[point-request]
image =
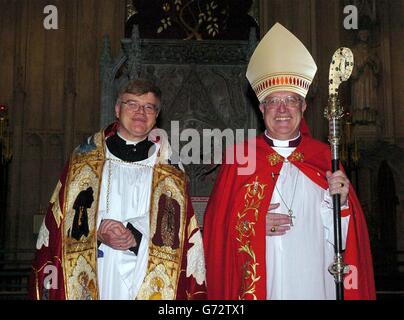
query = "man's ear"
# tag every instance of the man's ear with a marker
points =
(304, 105)
(261, 109)
(117, 110)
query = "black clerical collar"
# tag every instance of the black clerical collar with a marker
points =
(129, 152)
(283, 143)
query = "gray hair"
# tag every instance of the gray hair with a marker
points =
(139, 87)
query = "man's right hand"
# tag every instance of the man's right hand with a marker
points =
(276, 223)
(115, 235)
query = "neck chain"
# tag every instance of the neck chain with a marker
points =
(110, 173)
(290, 211)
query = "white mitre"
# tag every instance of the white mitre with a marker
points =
(280, 63)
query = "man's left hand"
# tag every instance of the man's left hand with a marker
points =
(338, 183)
(114, 234)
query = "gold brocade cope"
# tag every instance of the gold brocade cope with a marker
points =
(79, 236)
(247, 219)
(168, 208)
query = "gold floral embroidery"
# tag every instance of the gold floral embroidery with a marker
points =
(296, 156)
(274, 159)
(247, 218)
(157, 285)
(82, 282)
(164, 260)
(80, 256)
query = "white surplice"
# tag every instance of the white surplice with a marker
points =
(297, 262)
(121, 273)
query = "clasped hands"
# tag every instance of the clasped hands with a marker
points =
(277, 224)
(115, 235)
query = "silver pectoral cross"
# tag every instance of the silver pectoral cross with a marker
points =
(290, 213)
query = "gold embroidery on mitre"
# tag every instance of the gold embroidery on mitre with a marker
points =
(274, 159)
(245, 228)
(296, 156)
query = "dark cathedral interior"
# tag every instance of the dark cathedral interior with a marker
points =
(60, 80)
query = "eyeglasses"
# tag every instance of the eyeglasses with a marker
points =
(135, 106)
(275, 102)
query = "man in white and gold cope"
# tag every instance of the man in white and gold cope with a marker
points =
(120, 223)
(269, 235)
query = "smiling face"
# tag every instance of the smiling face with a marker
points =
(136, 125)
(282, 121)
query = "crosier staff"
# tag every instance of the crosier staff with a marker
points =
(340, 70)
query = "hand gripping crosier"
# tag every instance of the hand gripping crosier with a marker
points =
(340, 70)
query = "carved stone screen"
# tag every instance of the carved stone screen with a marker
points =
(203, 85)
